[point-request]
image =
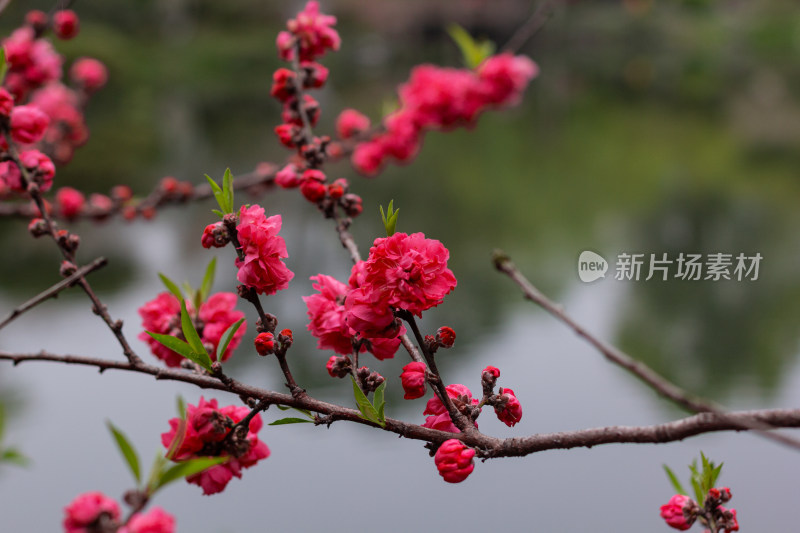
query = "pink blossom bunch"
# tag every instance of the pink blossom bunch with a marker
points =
(311, 31)
(439, 417)
(264, 250)
(454, 460)
(328, 320)
(94, 511)
(163, 315)
(437, 98)
(67, 128)
(206, 426)
(32, 62)
(402, 272)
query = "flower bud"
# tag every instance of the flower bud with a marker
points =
(37, 227)
(283, 84)
(36, 19)
(28, 124)
(265, 343)
(679, 512)
(67, 269)
(215, 235)
(350, 123)
(314, 74)
(352, 204)
(413, 380)
(339, 366)
(69, 202)
(370, 380)
(6, 102)
(508, 409)
(89, 73)
(446, 337)
(65, 24)
(454, 461)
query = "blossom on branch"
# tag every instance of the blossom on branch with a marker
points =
(677, 512)
(439, 418)
(88, 510)
(154, 521)
(508, 409)
(263, 250)
(311, 31)
(206, 434)
(413, 380)
(454, 460)
(163, 315)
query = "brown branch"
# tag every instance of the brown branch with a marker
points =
(488, 447)
(54, 291)
(535, 23)
(643, 372)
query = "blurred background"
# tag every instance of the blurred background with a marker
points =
(654, 127)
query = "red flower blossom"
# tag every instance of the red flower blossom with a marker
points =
(454, 460)
(413, 380)
(440, 418)
(262, 267)
(87, 509)
(509, 410)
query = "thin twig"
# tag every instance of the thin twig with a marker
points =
(535, 23)
(646, 374)
(54, 290)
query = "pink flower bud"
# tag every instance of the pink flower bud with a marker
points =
(40, 166)
(265, 343)
(65, 24)
(350, 123)
(287, 177)
(727, 520)
(283, 84)
(508, 410)
(6, 102)
(673, 512)
(89, 73)
(494, 371)
(87, 509)
(413, 380)
(454, 461)
(28, 124)
(446, 337)
(36, 19)
(215, 235)
(69, 202)
(338, 366)
(154, 521)
(313, 190)
(287, 134)
(315, 74)
(37, 227)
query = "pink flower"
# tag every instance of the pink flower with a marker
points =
(327, 313)
(205, 426)
(368, 158)
(32, 62)
(69, 202)
(217, 314)
(350, 123)
(313, 31)
(65, 24)
(40, 166)
(265, 343)
(454, 461)
(67, 129)
(440, 418)
(673, 514)
(315, 75)
(413, 380)
(403, 271)
(288, 177)
(89, 73)
(155, 521)
(504, 77)
(28, 124)
(263, 250)
(509, 410)
(87, 510)
(11, 176)
(6, 102)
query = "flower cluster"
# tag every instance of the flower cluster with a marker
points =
(328, 320)
(206, 433)
(44, 116)
(94, 511)
(681, 512)
(311, 32)
(263, 249)
(163, 315)
(437, 98)
(439, 418)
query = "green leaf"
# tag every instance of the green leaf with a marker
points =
(368, 412)
(219, 195)
(181, 404)
(283, 407)
(14, 456)
(219, 213)
(208, 280)
(227, 189)
(699, 494)
(227, 336)
(186, 469)
(291, 420)
(159, 463)
(715, 474)
(193, 338)
(128, 451)
(674, 480)
(389, 218)
(379, 402)
(177, 345)
(3, 65)
(171, 286)
(473, 52)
